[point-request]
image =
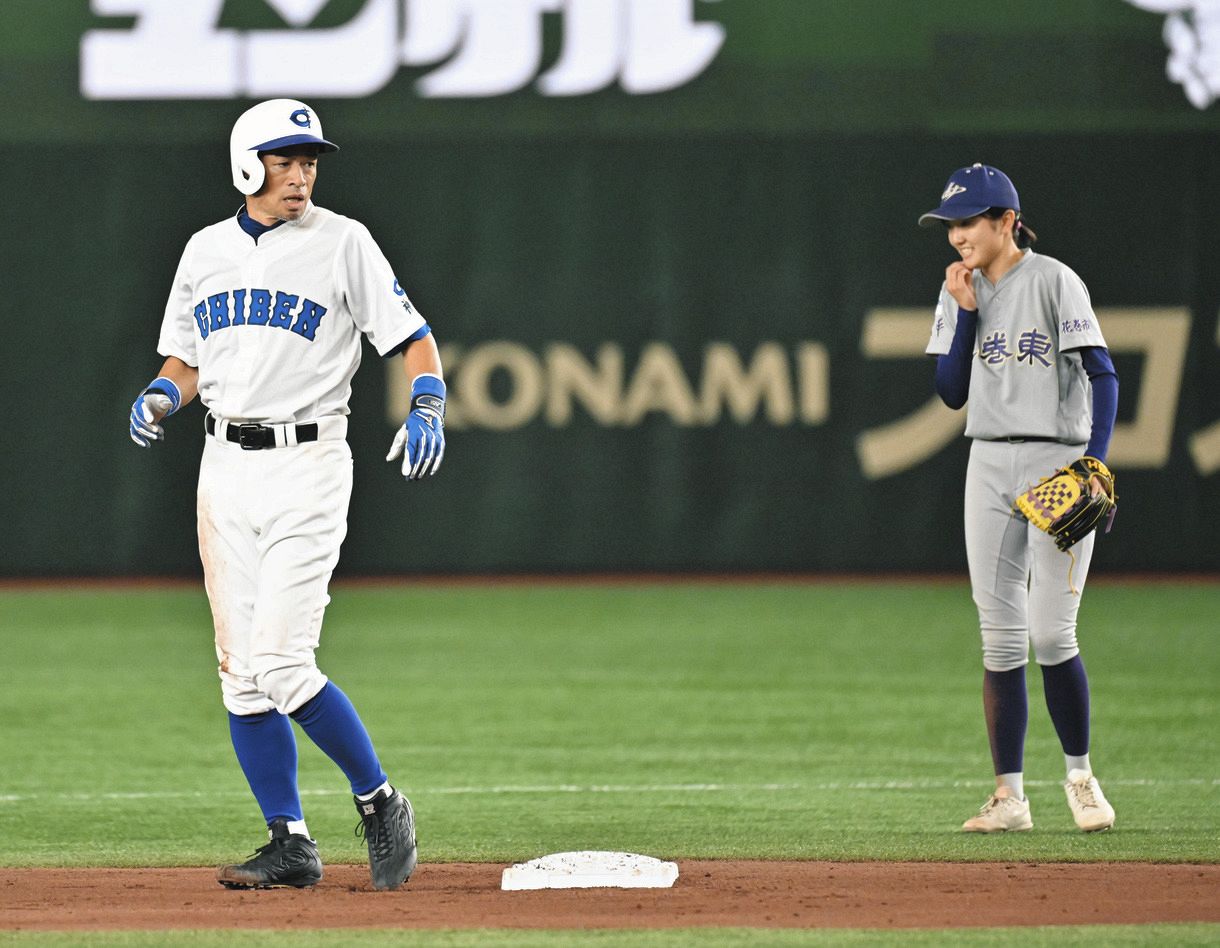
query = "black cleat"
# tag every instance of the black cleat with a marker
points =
(387, 824)
(288, 861)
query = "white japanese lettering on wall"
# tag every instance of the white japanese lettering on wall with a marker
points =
(488, 47)
(1192, 33)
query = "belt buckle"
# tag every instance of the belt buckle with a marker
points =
(251, 437)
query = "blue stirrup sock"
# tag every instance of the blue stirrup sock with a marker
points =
(267, 751)
(331, 721)
(1006, 707)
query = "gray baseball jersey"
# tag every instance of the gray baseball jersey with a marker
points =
(1030, 324)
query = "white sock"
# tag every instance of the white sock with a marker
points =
(1078, 763)
(1014, 782)
(298, 828)
(365, 797)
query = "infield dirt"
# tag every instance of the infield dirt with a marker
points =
(707, 893)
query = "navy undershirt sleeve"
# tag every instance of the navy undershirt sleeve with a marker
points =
(953, 369)
(1104, 379)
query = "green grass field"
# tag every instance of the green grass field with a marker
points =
(1032, 937)
(787, 721)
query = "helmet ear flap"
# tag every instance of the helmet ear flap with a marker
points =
(248, 171)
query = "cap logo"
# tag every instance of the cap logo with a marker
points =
(300, 117)
(952, 190)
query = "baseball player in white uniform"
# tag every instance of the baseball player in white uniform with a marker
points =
(264, 323)
(1015, 335)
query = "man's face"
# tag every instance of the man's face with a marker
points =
(290, 177)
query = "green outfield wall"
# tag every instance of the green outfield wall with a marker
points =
(683, 327)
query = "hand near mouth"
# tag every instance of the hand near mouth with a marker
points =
(959, 283)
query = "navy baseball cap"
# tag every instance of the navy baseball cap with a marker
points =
(971, 191)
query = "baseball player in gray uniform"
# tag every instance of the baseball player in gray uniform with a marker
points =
(1014, 334)
(264, 323)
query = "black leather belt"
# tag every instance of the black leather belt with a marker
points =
(1020, 439)
(256, 437)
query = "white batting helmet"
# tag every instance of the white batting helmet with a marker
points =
(276, 123)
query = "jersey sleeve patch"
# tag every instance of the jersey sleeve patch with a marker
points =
(944, 324)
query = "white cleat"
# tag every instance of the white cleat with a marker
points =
(1090, 809)
(1003, 812)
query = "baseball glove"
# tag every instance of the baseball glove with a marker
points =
(1064, 506)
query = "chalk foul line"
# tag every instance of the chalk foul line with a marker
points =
(422, 792)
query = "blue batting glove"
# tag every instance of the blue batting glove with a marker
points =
(160, 400)
(421, 439)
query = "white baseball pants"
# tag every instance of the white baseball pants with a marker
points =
(270, 526)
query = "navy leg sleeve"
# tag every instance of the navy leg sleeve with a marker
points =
(1006, 706)
(1067, 699)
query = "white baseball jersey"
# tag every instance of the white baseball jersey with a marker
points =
(274, 327)
(1026, 377)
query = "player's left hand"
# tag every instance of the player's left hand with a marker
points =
(421, 439)
(1066, 505)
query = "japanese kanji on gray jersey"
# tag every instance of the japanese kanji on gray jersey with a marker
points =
(1030, 324)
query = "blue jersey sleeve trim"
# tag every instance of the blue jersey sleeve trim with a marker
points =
(423, 330)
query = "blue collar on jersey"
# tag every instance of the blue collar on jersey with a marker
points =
(253, 227)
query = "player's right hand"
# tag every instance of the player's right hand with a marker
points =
(145, 412)
(960, 284)
(151, 405)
